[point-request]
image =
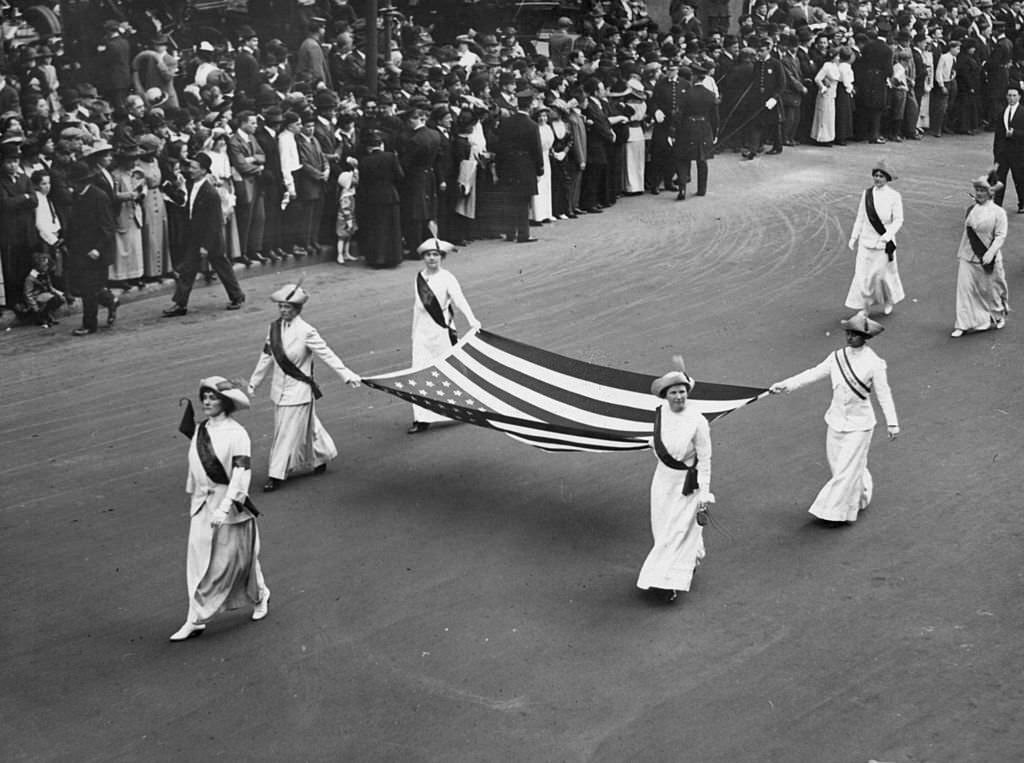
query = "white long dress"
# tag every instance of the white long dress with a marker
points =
(223, 565)
(635, 149)
(540, 205)
(430, 341)
(823, 127)
(851, 422)
(876, 280)
(678, 539)
(982, 298)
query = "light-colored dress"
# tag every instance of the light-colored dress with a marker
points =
(635, 148)
(678, 539)
(982, 298)
(540, 205)
(127, 264)
(301, 443)
(851, 422)
(876, 280)
(223, 567)
(823, 127)
(156, 243)
(430, 341)
(220, 176)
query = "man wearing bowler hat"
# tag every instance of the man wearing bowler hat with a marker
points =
(90, 239)
(204, 237)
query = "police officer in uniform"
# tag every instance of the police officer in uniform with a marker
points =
(768, 83)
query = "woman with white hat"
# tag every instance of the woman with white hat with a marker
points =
(301, 444)
(223, 568)
(680, 488)
(855, 372)
(981, 291)
(876, 276)
(437, 295)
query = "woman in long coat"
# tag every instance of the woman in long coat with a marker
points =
(129, 188)
(982, 297)
(156, 243)
(223, 569)
(855, 372)
(436, 296)
(876, 276)
(680, 488)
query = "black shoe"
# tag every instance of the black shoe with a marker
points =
(655, 192)
(528, 240)
(681, 196)
(702, 192)
(174, 311)
(112, 312)
(271, 485)
(776, 150)
(257, 257)
(417, 427)
(244, 261)
(320, 469)
(595, 211)
(83, 332)
(235, 304)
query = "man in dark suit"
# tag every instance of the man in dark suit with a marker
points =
(768, 83)
(871, 72)
(520, 162)
(600, 138)
(694, 133)
(794, 92)
(560, 43)
(418, 151)
(271, 182)
(114, 64)
(326, 104)
(663, 108)
(247, 67)
(1008, 146)
(204, 237)
(378, 209)
(310, 183)
(18, 237)
(89, 237)
(247, 162)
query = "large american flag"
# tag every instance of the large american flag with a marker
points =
(544, 399)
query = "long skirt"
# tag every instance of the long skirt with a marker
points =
(844, 115)
(300, 441)
(223, 568)
(127, 265)
(634, 179)
(823, 127)
(678, 539)
(981, 297)
(156, 242)
(876, 281)
(379, 234)
(849, 491)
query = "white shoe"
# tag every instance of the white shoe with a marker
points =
(957, 333)
(999, 323)
(887, 310)
(260, 610)
(187, 631)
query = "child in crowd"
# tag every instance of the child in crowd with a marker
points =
(346, 223)
(42, 298)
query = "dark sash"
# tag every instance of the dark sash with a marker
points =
(285, 363)
(854, 382)
(978, 246)
(690, 483)
(430, 303)
(876, 223)
(214, 468)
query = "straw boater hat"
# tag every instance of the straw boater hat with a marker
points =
(292, 293)
(883, 166)
(862, 325)
(435, 245)
(98, 147)
(226, 390)
(661, 385)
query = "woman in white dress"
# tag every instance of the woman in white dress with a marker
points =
(540, 205)
(221, 177)
(982, 297)
(223, 569)
(855, 371)
(680, 488)
(636, 141)
(823, 127)
(876, 276)
(436, 295)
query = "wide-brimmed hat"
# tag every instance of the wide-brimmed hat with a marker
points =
(98, 147)
(226, 390)
(149, 144)
(862, 325)
(292, 293)
(989, 181)
(883, 166)
(155, 96)
(435, 245)
(661, 385)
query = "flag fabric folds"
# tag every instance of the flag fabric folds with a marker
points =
(544, 399)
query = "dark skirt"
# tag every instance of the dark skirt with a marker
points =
(844, 115)
(380, 234)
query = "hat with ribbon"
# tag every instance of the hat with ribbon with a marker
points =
(861, 324)
(435, 245)
(662, 384)
(292, 293)
(883, 166)
(225, 389)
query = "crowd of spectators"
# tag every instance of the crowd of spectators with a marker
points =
(471, 133)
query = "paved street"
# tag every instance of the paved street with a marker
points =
(457, 596)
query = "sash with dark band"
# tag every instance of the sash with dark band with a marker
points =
(214, 468)
(876, 223)
(690, 483)
(285, 363)
(978, 246)
(854, 382)
(430, 303)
